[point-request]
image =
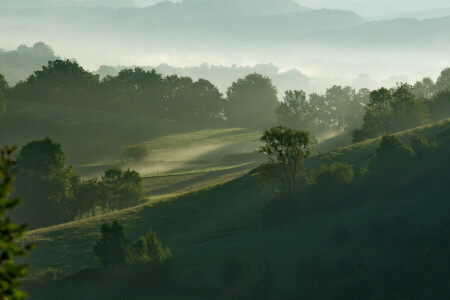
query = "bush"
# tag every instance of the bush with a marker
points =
(136, 152)
(422, 147)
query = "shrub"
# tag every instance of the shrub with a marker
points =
(422, 147)
(136, 152)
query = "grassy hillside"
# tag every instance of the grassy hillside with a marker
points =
(93, 140)
(204, 226)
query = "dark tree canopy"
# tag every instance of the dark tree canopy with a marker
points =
(112, 248)
(443, 81)
(391, 110)
(60, 82)
(46, 184)
(287, 147)
(251, 100)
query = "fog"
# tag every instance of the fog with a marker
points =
(351, 42)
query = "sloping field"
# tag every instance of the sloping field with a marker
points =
(202, 227)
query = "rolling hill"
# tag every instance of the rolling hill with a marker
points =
(204, 226)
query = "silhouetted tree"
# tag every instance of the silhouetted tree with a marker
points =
(124, 188)
(443, 81)
(390, 111)
(112, 248)
(10, 272)
(287, 147)
(46, 184)
(251, 100)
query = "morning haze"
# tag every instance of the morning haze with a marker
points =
(240, 149)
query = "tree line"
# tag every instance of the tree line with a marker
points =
(249, 101)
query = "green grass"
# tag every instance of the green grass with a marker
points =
(93, 140)
(202, 226)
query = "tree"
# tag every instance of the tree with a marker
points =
(10, 273)
(443, 81)
(439, 106)
(251, 100)
(295, 111)
(288, 147)
(136, 152)
(124, 188)
(3, 88)
(61, 82)
(148, 248)
(46, 184)
(390, 111)
(391, 155)
(424, 88)
(112, 248)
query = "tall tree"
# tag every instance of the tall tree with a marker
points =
(112, 248)
(46, 184)
(251, 100)
(10, 273)
(287, 147)
(295, 111)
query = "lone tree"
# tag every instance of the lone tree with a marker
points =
(10, 273)
(112, 249)
(288, 147)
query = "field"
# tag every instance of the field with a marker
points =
(203, 226)
(93, 140)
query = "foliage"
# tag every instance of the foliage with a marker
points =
(439, 105)
(443, 81)
(3, 89)
(124, 188)
(334, 176)
(390, 111)
(46, 184)
(251, 100)
(425, 88)
(148, 248)
(133, 91)
(136, 152)
(10, 273)
(112, 248)
(390, 154)
(422, 147)
(295, 112)
(288, 147)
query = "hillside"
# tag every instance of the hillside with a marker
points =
(204, 226)
(93, 139)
